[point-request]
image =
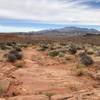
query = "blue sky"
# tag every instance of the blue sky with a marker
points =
(35, 15)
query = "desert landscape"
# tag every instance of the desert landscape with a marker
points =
(49, 67)
(49, 49)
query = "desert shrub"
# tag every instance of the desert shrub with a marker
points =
(56, 46)
(19, 56)
(85, 59)
(14, 43)
(51, 48)
(61, 54)
(90, 51)
(68, 58)
(63, 44)
(72, 49)
(11, 57)
(9, 44)
(18, 49)
(24, 45)
(4, 47)
(43, 47)
(79, 47)
(80, 65)
(13, 51)
(53, 53)
(14, 55)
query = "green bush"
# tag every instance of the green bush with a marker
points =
(61, 54)
(53, 53)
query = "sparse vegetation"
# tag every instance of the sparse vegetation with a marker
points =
(59, 63)
(85, 59)
(53, 53)
(11, 57)
(61, 54)
(18, 49)
(43, 47)
(90, 52)
(72, 49)
(4, 47)
(17, 54)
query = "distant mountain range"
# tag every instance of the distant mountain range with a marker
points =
(69, 31)
(66, 31)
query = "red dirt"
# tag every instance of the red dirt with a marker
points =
(35, 81)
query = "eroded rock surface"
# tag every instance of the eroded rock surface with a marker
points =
(35, 81)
